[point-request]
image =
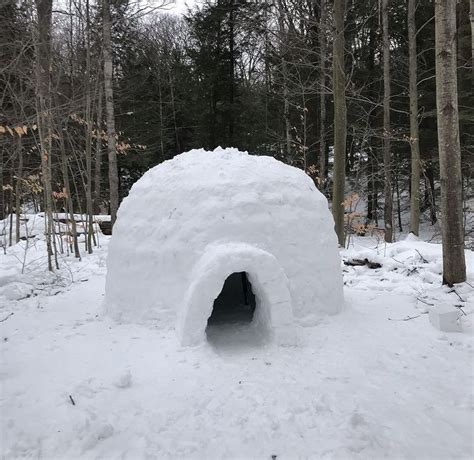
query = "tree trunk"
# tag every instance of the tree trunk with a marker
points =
(173, 110)
(373, 164)
(231, 71)
(388, 201)
(109, 109)
(471, 14)
(160, 111)
(322, 72)
(10, 230)
(43, 111)
(98, 153)
(414, 135)
(430, 199)
(340, 120)
(88, 126)
(2, 191)
(454, 264)
(399, 209)
(267, 78)
(284, 70)
(18, 189)
(70, 207)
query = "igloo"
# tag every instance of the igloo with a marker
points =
(192, 222)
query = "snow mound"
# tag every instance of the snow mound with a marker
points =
(192, 221)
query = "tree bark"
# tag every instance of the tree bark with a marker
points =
(109, 109)
(454, 264)
(173, 110)
(340, 120)
(98, 153)
(70, 207)
(471, 15)
(373, 164)
(414, 134)
(322, 72)
(88, 126)
(2, 191)
(231, 71)
(284, 69)
(18, 189)
(43, 111)
(388, 200)
(160, 111)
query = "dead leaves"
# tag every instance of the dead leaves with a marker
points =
(19, 130)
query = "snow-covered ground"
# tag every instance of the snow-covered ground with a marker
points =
(376, 381)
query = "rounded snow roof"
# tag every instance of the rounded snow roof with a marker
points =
(218, 169)
(183, 215)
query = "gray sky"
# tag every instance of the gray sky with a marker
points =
(180, 6)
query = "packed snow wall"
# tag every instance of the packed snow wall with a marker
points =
(190, 222)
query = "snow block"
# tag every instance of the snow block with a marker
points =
(445, 318)
(190, 222)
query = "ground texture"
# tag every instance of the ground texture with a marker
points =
(376, 381)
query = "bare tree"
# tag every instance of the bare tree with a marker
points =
(67, 188)
(109, 110)
(43, 101)
(414, 129)
(388, 202)
(98, 151)
(454, 264)
(322, 72)
(88, 133)
(471, 14)
(340, 120)
(284, 70)
(18, 188)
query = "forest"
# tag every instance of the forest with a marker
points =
(126, 194)
(123, 86)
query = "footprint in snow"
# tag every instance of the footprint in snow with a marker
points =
(124, 381)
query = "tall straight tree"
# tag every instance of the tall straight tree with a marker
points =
(414, 129)
(43, 110)
(454, 264)
(283, 37)
(388, 204)
(471, 14)
(109, 110)
(231, 23)
(322, 76)
(98, 151)
(88, 132)
(340, 120)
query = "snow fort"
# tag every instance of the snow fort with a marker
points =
(212, 242)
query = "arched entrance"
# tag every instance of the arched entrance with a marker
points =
(273, 316)
(235, 303)
(231, 320)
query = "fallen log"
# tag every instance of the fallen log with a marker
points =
(362, 262)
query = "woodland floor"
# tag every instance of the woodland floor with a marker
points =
(376, 381)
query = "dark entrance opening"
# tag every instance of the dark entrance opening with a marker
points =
(236, 302)
(231, 327)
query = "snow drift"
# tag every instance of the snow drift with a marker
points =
(190, 222)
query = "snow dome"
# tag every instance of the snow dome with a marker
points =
(217, 238)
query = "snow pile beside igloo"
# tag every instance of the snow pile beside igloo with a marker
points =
(192, 221)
